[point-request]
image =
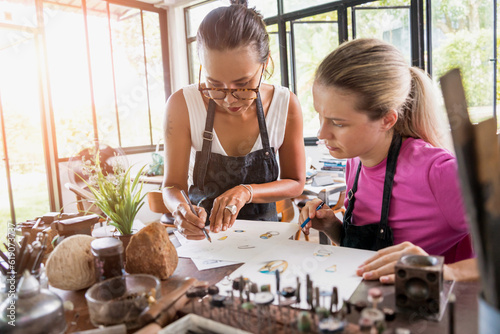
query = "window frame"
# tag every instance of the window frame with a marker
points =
(48, 125)
(420, 12)
(287, 59)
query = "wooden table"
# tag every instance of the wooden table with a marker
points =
(185, 268)
(466, 307)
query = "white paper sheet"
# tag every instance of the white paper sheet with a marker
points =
(327, 266)
(203, 264)
(240, 243)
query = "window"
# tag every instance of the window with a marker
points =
(21, 136)
(116, 92)
(445, 35)
(295, 5)
(389, 23)
(275, 78)
(462, 36)
(90, 70)
(313, 38)
(195, 14)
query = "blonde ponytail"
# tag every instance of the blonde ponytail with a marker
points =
(418, 117)
(379, 74)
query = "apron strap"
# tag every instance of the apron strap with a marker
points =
(351, 198)
(262, 124)
(390, 172)
(208, 136)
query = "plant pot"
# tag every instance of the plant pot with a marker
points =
(125, 239)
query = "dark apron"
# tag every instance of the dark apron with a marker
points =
(372, 236)
(215, 173)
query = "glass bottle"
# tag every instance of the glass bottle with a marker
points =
(108, 258)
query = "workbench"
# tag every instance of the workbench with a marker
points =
(466, 306)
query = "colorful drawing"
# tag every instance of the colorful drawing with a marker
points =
(246, 247)
(272, 266)
(331, 269)
(239, 231)
(223, 238)
(323, 253)
(269, 234)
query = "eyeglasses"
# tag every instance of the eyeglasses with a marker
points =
(221, 93)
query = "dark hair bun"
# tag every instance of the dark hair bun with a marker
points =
(239, 2)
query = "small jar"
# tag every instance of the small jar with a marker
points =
(108, 258)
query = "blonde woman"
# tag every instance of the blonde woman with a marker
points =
(380, 114)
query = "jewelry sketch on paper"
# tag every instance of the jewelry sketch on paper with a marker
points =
(271, 266)
(269, 234)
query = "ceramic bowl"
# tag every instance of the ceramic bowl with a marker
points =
(121, 299)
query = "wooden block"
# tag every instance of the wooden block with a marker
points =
(488, 164)
(465, 149)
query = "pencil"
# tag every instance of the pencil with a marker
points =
(309, 219)
(193, 211)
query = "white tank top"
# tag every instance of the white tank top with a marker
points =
(275, 119)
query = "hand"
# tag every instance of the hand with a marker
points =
(220, 217)
(322, 220)
(188, 224)
(462, 271)
(381, 265)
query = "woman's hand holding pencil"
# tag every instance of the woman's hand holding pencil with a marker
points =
(191, 207)
(308, 219)
(190, 220)
(318, 215)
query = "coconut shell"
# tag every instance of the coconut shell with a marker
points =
(71, 264)
(150, 251)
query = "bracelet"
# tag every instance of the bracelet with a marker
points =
(250, 190)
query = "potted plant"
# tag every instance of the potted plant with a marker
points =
(116, 194)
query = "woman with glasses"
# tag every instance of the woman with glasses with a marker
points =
(379, 113)
(234, 124)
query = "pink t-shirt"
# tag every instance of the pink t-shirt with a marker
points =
(426, 206)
